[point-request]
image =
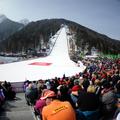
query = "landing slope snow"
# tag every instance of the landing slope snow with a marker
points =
(55, 64)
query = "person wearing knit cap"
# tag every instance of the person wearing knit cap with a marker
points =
(76, 88)
(74, 93)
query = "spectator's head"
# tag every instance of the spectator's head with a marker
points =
(30, 86)
(63, 89)
(76, 82)
(106, 85)
(91, 89)
(97, 82)
(48, 96)
(76, 89)
(48, 85)
(43, 92)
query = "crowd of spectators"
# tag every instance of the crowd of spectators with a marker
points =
(6, 92)
(91, 95)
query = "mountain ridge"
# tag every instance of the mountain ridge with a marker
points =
(32, 34)
(8, 27)
(2, 18)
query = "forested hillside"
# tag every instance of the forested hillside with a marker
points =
(31, 35)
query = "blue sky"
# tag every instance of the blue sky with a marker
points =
(102, 16)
